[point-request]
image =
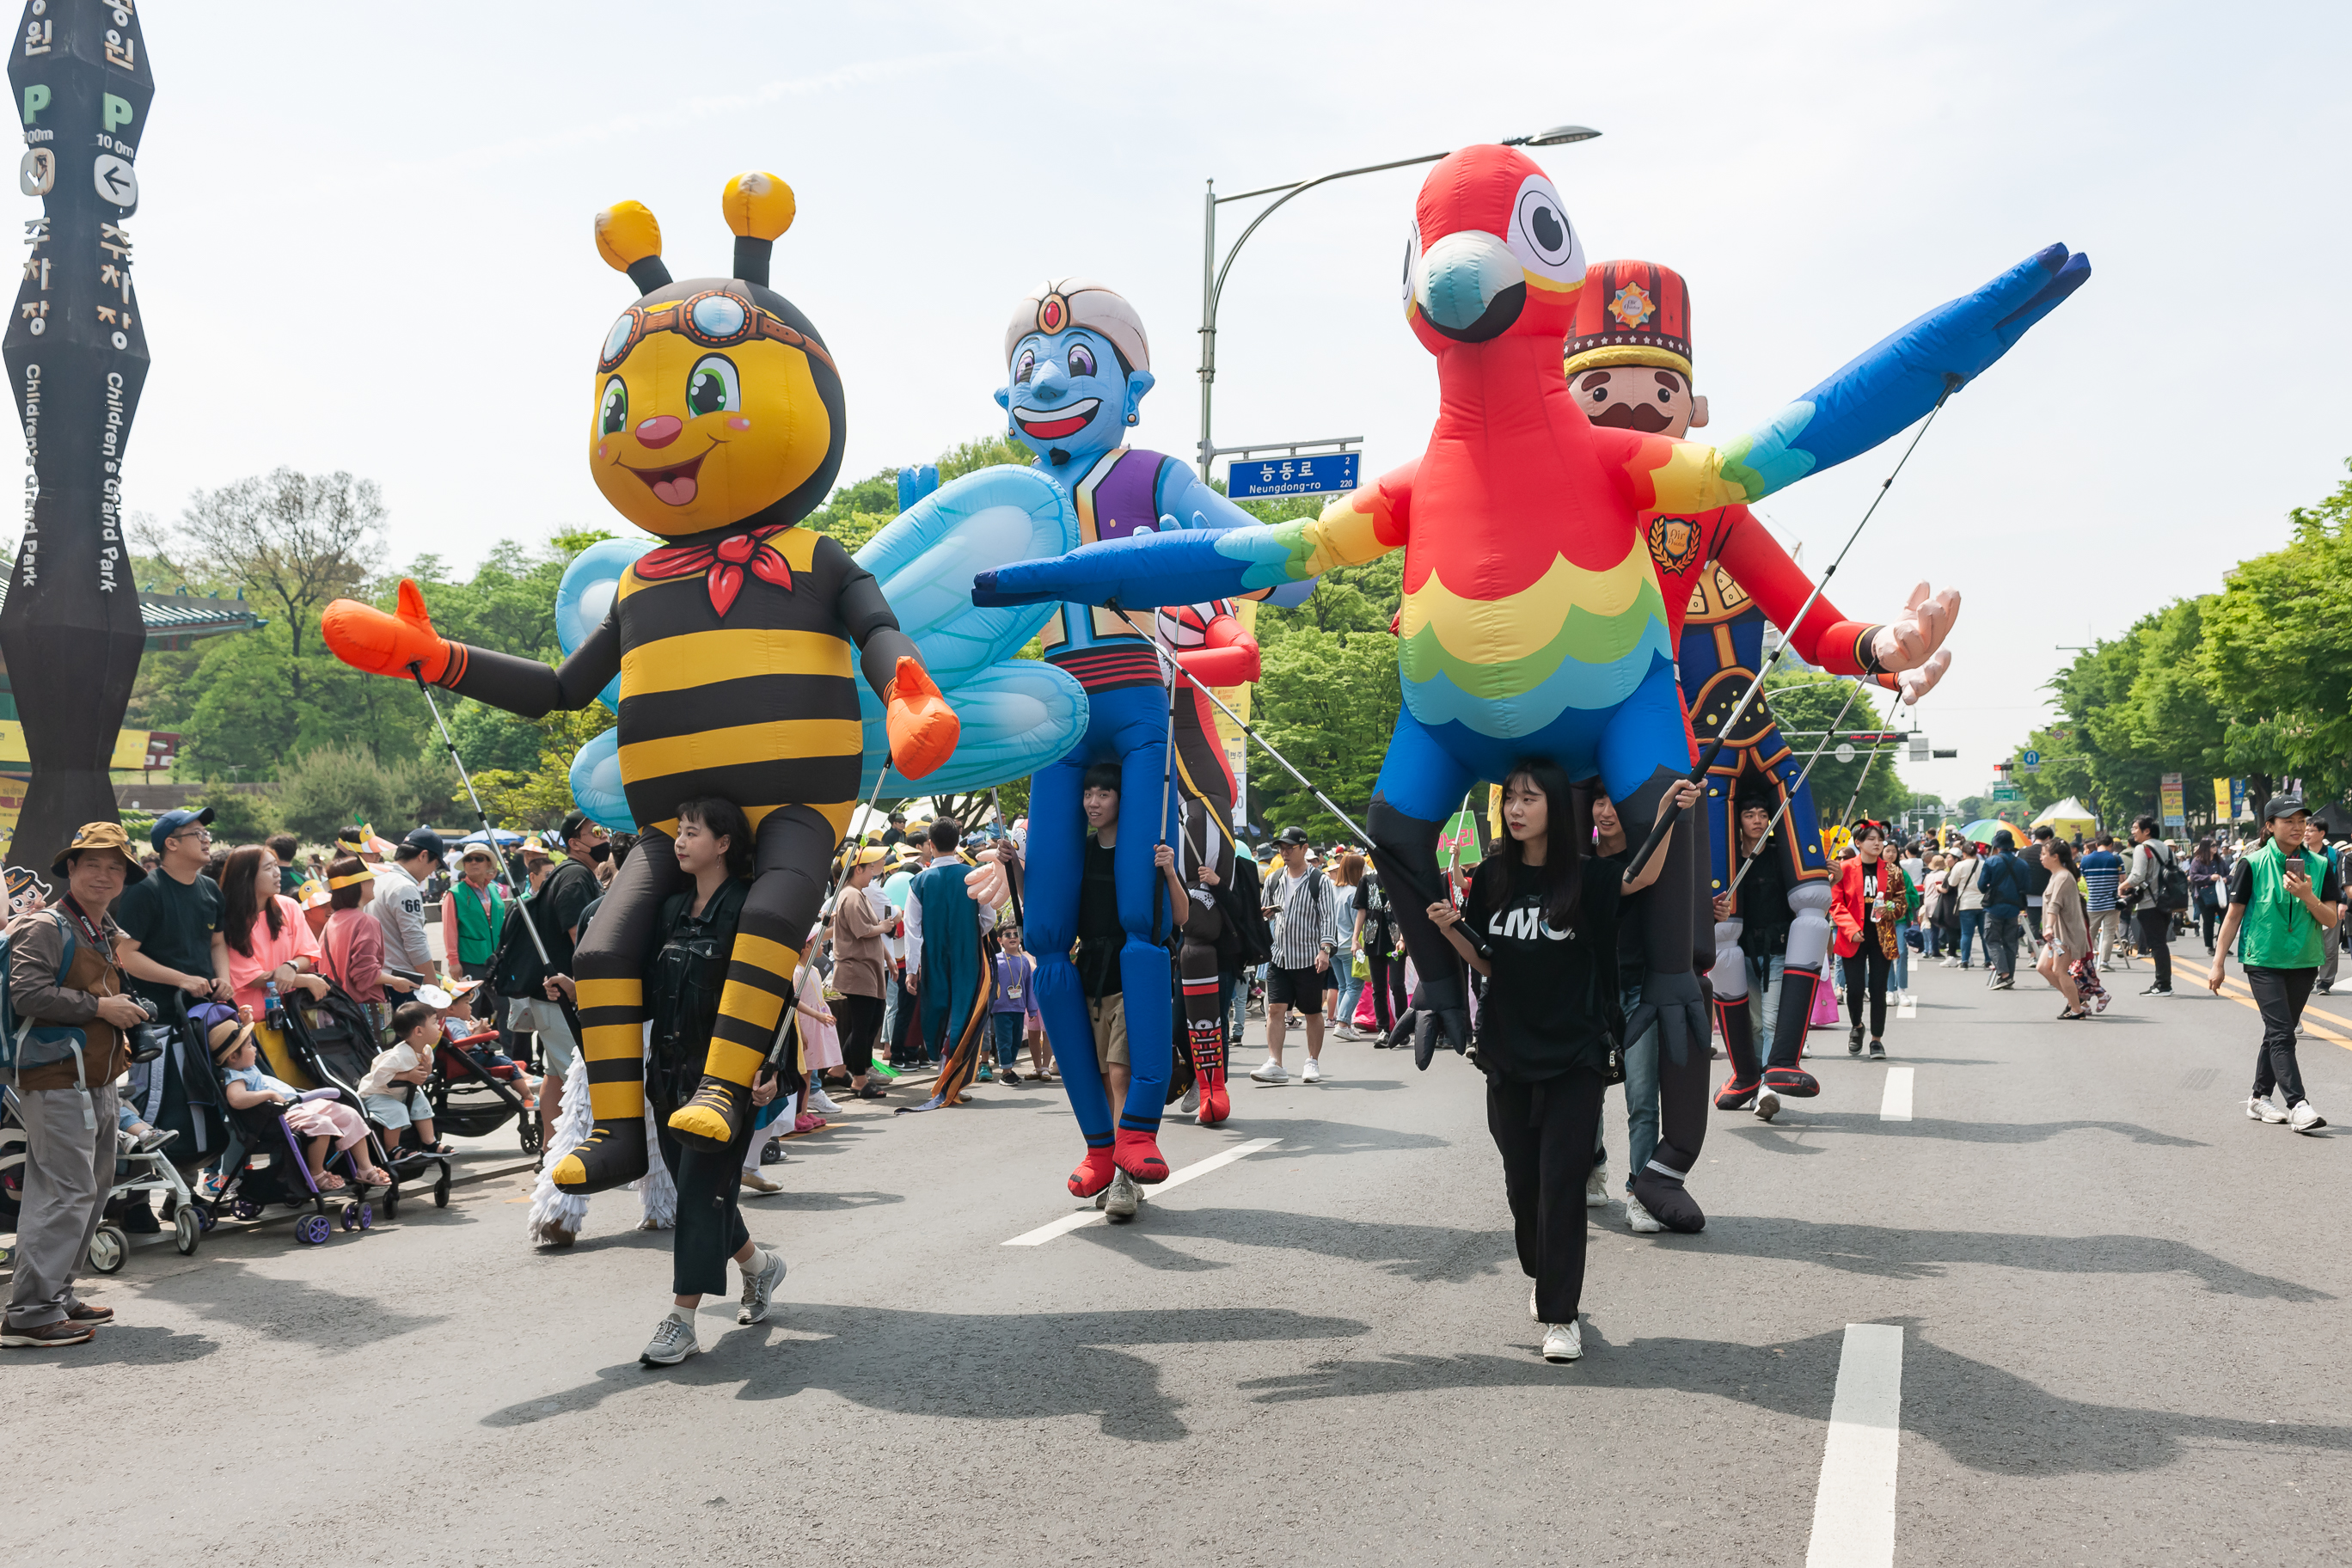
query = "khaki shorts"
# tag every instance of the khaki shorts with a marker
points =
(1109, 1016)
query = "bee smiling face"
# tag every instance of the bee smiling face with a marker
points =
(715, 403)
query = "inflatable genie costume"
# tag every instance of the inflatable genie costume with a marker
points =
(1723, 577)
(1533, 624)
(1077, 366)
(718, 427)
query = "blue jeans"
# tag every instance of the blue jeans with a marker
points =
(1970, 921)
(1641, 1094)
(1902, 935)
(1008, 1028)
(1764, 1000)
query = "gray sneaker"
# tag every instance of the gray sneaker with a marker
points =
(760, 1287)
(673, 1340)
(1121, 1197)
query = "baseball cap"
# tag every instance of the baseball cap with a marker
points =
(2279, 806)
(172, 822)
(101, 836)
(425, 841)
(1294, 833)
(576, 824)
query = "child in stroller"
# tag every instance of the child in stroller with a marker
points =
(393, 1090)
(319, 1116)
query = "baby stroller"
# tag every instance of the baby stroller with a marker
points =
(472, 1099)
(263, 1164)
(334, 1041)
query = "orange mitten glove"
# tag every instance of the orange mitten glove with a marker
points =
(366, 638)
(923, 728)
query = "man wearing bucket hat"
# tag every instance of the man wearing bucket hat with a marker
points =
(64, 984)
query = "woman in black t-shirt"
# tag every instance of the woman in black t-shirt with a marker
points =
(1541, 925)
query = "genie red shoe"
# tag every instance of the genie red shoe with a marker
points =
(1794, 1082)
(1138, 1154)
(1735, 1095)
(1093, 1174)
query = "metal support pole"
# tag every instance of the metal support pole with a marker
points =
(416, 671)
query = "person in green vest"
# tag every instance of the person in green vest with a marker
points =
(473, 913)
(2284, 899)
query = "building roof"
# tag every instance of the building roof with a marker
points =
(173, 620)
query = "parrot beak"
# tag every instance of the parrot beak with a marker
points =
(1469, 287)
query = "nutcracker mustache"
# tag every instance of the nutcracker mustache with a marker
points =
(1645, 418)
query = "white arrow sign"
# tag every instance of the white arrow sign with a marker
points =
(116, 180)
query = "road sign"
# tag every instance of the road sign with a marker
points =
(1844, 752)
(2030, 761)
(2007, 792)
(1317, 474)
(1919, 749)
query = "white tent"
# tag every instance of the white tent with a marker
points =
(2066, 814)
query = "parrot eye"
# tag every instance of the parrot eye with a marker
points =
(1025, 368)
(1412, 256)
(1540, 234)
(710, 386)
(1082, 360)
(612, 409)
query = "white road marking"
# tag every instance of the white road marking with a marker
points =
(1854, 1511)
(1895, 1105)
(1909, 1006)
(1068, 1223)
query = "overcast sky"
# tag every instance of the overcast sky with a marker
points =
(364, 244)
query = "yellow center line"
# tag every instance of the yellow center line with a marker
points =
(2334, 1033)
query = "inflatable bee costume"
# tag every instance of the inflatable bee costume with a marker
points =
(719, 426)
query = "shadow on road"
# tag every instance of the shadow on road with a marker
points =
(1983, 1417)
(1888, 1252)
(1423, 1253)
(1796, 1119)
(275, 1308)
(1004, 1366)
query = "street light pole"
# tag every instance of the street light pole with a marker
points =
(1212, 274)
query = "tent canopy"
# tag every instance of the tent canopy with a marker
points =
(2068, 813)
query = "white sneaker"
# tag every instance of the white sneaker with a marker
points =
(1596, 1191)
(1312, 1072)
(759, 1282)
(822, 1103)
(1768, 1105)
(673, 1340)
(1270, 1071)
(1563, 1341)
(1122, 1196)
(2304, 1118)
(2262, 1109)
(1639, 1220)
(1191, 1100)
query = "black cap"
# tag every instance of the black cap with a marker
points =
(172, 822)
(425, 841)
(1294, 833)
(578, 823)
(2279, 806)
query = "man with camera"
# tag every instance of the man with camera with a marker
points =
(69, 996)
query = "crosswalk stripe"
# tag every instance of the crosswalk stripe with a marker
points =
(1895, 1104)
(1070, 1222)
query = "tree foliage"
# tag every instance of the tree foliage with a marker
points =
(1809, 702)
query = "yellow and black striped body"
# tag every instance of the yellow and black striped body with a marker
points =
(759, 705)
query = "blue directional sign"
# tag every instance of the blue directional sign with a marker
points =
(1319, 474)
(2030, 758)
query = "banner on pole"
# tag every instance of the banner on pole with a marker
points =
(2175, 805)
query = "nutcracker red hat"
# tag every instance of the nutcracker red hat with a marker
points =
(1631, 312)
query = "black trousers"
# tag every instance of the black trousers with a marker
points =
(709, 1222)
(2280, 993)
(2155, 936)
(904, 1028)
(1388, 988)
(1866, 974)
(860, 1018)
(1545, 1132)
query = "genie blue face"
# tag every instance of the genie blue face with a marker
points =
(1067, 396)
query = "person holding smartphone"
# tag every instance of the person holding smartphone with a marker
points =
(1868, 908)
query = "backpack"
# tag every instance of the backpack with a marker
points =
(1246, 941)
(25, 1044)
(2171, 881)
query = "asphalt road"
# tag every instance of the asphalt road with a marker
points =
(2114, 1311)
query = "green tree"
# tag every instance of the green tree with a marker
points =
(1803, 702)
(331, 785)
(240, 817)
(525, 801)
